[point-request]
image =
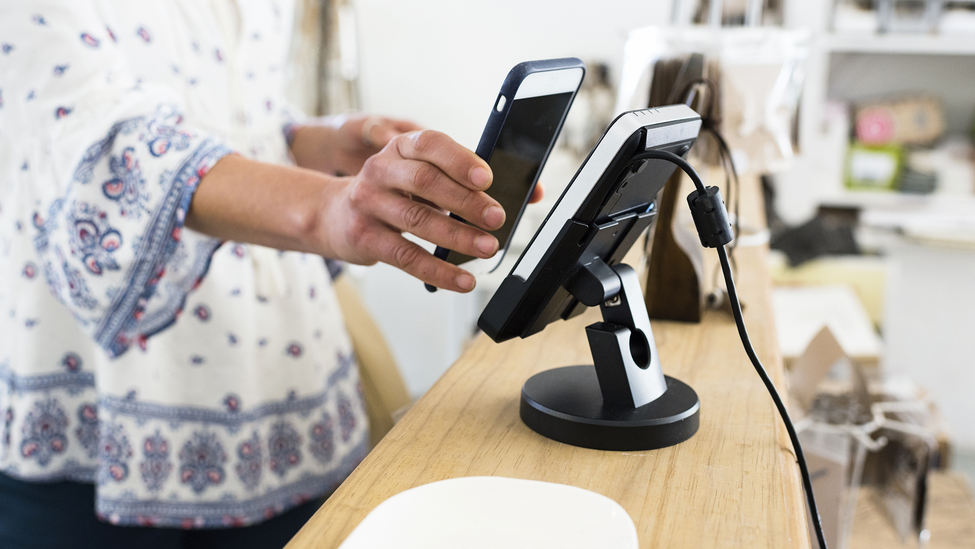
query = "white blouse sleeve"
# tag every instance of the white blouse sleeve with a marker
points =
(111, 168)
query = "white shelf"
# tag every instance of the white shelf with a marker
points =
(922, 44)
(892, 200)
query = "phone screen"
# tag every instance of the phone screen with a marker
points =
(528, 134)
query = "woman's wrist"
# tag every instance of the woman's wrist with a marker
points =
(277, 206)
(313, 145)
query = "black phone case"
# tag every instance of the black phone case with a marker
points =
(492, 130)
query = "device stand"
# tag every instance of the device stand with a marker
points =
(623, 401)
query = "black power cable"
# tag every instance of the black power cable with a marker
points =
(711, 220)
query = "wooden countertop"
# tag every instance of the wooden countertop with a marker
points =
(734, 484)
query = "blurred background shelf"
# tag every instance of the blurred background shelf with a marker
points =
(901, 43)
(892, 200)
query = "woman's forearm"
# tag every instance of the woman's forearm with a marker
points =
(275, 206)
(409, 186)
(312, 147)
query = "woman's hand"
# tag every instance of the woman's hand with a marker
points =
(343, 143)
(340, 145)
(407, 188)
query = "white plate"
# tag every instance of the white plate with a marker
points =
(495, 512)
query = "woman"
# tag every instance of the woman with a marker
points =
(156, 357)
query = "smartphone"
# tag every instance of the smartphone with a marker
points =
(519, 135)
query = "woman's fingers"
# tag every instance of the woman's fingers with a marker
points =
(426, 182)
(407, 188)
(431, 166)
(429, 223)
(459, 163)
(382, 130)
(369, 241)
(538, 193)
(414, 260)
(378, 131)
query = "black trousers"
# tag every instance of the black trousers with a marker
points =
(61, 515)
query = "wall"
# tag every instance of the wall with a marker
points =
(440, 63)
(928, 328)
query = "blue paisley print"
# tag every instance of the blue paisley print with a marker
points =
(87, 430)
(71, 362)
(92, 238)
(323, 439)
(201, 462)
(44, 432)
(75, 282)
(8, 421)
(127, 187)
(284, 448)
(249, 462)
(164, 136)
(114, 453)
(347, 421)
(155, 468)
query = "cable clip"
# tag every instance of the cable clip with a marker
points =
(710, 218)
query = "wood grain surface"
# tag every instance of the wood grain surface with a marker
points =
(734, 484)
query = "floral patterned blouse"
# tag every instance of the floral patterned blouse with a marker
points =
(196, 383)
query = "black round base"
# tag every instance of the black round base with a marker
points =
(565, 404)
